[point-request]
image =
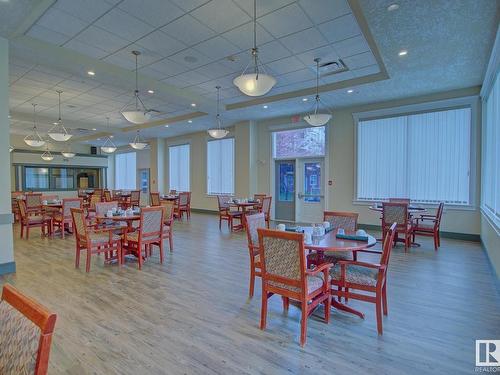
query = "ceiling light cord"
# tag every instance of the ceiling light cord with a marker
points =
(59, 92)
(34, 116)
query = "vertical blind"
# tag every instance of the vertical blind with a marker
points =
(178, 160)
(424, 157)
(220, 166)
(490, 199)
(125, 171)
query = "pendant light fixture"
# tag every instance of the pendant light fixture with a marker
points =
(256, 83)
(108, 147)
(68, 154)
(34, 139)
(11, 148)
(219, 131)
(58, 132)
(138, 144)
(136, 112)
(47, 156)
(317, 118)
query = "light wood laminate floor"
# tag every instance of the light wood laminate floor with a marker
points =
(191, 315)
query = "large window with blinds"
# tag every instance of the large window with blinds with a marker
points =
(220, 166)
(490, 197)
(178, 167)
(423, 156)
(126, 171)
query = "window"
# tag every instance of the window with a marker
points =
(424, 157)
(62, 178)
(299, 143)
(178, 170)
(36, 178)
(220, 166)
(59, 178)
(287, 181)
(490, 200)
(125, 171)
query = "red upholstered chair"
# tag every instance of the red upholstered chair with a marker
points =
(94, 241)
(183, 204)
(107, 196)
(149, 233)
(266, 209)
(168, 221)
(26, 329)
(135, 198)
(33, 203)
(63, 218)
(36, 219)
(252, 223)
(154, 199)
(283, 267)
(428, 225)
(396, 212)
(369, 278)
(225, 213)
(260, 198)
(347, 221)
(399, 200)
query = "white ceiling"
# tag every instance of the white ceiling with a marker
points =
(185, 46)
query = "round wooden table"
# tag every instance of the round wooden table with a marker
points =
(243, 206)
(411, 209)
(128, 219)
(169, 198)
(329, 242)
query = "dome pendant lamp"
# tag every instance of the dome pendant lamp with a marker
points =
(218, 132)
(316, 118)
(58, 132)
(136, 113)
(34, 139)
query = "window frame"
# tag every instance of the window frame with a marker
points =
(297, 128)
(136, 170)
(213, 194)
(189, 170)
(471, 102)
(101, 172)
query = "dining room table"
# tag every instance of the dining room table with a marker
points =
(129, 219)
(329, 242)
(170, 197)
(243, 206)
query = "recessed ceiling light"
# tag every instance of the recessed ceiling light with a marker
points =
(305, 99)
(166, 126)
(190, 121)
(94, 129)
(151, 91)
(392, 7)
(350, 91)
(10, 116)
(55, 123)
(111, 136)
(403, 52)
(264, 106)
(98, 139)
(91, 73)
(193, 104)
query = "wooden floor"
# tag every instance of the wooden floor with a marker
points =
(191, 315)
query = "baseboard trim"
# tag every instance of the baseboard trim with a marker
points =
(7, 268)
(204, 211)
(452, 235)
(494, 273)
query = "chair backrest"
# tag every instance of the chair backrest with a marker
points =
(151, 223)
(400, 200)
(79, 224)
(155, 199)
(184, 198)
(346, 220)
(172, 191)
(266, 205)
(439, 212)
(22, 208)
(107, 196)
(94, 199)
(68, 204)
(223, 201)
(252, 223)
(168, 212)
(394, 212)
(135, 197)
(82, 193)
(260, 197)
(102, 208)
(49, 198)
(387, 245)
(282, 258)
(26, 329)
(33, 200)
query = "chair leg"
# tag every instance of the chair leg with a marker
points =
(171, 240)
(378, 308)
(346, 299)
(252, 281)
(435, 242)
(220, 222)
(87, 263)
(161, 251)
(22, 230)
(384, 298)
(139, 256)
(263, 310)
(303, 324)
(286, 303)
(439, 239)
(27, 232)
(77, 257)
(328, 306)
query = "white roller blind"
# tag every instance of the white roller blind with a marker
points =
(178, 159)
(220, 166)
(424, 157)
(125, 171)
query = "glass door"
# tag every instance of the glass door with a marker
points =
(284, 181)
(310, 187)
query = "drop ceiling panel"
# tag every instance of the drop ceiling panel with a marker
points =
(47, 35)
(220, 15)
(191, 58)
(161, 43)
(121, 23)
(217, 48)
(85, 49)
(340, 28)
(285, 21)
(304, 40)
(189, 5)
(286, 65)
(360, 61)
(101, 39)
(166, 68)
(125, 59)
(61, 22)
(272, 51)
(189, 30)
(351, 46)
(153, 12)
(326, 54)
(263, 6)
(323, 10)
(242, 36)
(88, 10)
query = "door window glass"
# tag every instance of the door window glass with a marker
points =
(287, 182)
(312, 182)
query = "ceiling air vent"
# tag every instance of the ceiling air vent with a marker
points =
(332, 67)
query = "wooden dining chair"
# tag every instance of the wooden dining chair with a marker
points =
(397, 212)
(26, 329)
(94, 241)
(428, 225)
(107, 196)
(225, 213)
(369, 278)
(266, 209)
(347, 221)
(149, 233)
(183, 205)
(36, 219)
(154, 199)
(135, 198)
(252, 223)
(63, 218)
(259, 198)
(399, 200)
(168, 221)
(284, 272)
(33, 203)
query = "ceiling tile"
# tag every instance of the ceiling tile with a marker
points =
(351, 46)
(88, 10)
(174, 81)
(323, 10)
(192, 78)
(168, 67)
(47, 35)
(61, 22)
(121, 23)
(305, 74)
(326, 53)
(153, 12)
(162, 43)
(217, 48)
(191, 58)
(284, 21)
(304, 40)
(215, 70)
(189, 5)
(85, 49)
(272, 51)
(126, 59)
(360, 61)
(220, 15)
(286, 65)
(242, 36)
(101, 39)
(340, 28)
(336, 77)
(188, 29)
(263, 6)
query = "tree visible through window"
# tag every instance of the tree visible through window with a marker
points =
(299, 143)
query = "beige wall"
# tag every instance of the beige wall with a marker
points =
(491, 241)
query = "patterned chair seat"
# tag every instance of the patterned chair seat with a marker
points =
(356, 274)
(59, 217)
(313, 283)
(97, 239)
(19, 339)
(333, 256)
(134, 237)
(35, 219)
(424, 227)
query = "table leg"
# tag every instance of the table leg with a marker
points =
(343, 307)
